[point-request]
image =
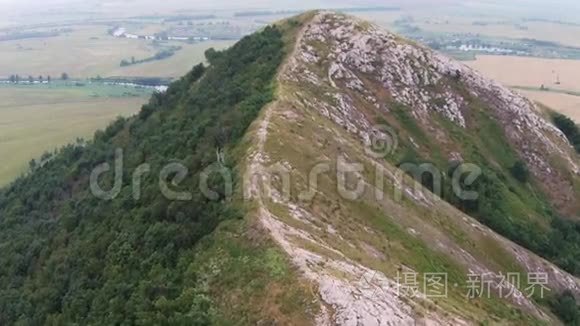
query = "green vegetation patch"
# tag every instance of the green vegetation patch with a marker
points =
(564, 305)
(569, 128)
(508, 200)
(69, 257)
(161, 55)
(80, 89)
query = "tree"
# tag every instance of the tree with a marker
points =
(565, 306)
(569, 128)
(212, 55)
(565, 124)
(13, 79)
(48, 79)
(520, 171)
(64, 76)
(45, 157)
(40, 79)
(30, 79)
(32, 165)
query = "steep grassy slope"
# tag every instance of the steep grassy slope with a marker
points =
(349, 88)
(70, 257)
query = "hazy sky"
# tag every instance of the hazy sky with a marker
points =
(32, 11)
(31, 6)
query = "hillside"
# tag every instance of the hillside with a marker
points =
(305, 138)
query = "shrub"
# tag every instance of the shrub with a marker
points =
(569, 128)
(566, 308)
(520, 171)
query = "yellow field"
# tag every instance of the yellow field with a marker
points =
(535, 72)
(566, 104)
(530, 72)
(34, 121)
(77, 53)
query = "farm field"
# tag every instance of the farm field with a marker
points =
(515, 29)
(530, 72)
(88, 51)
(176, 66)
(35, 119)
(566, 104)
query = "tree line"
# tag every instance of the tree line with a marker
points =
(15, 79)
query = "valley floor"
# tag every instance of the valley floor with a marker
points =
(35, 119)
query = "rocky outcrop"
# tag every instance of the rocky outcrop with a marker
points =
(423, 81)
(341, 73)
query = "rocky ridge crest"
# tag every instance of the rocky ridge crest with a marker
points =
(342, 70)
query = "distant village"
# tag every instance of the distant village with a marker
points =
(148, 84)
(121, 32)
(484, 49)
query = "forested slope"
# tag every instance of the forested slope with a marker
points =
(70, 257)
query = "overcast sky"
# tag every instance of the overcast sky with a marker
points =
(27, 11)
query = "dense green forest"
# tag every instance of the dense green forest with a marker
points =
(565, 307)
(69, 257)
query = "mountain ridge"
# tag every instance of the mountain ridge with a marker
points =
(342, 142)
(301, 70)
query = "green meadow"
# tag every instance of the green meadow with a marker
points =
(39, 118)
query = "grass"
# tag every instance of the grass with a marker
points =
(549, 90)
(88, 51)
(35, 119)
(388, 220)
(69, 90)
(252, 279)
(485, 146)
(79, 53)
(403, 233)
